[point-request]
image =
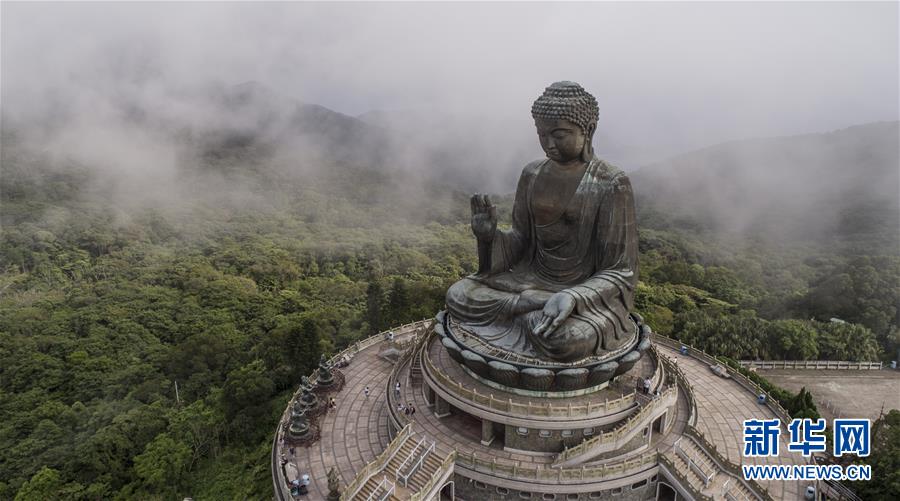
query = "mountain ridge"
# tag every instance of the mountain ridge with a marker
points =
(804, 185)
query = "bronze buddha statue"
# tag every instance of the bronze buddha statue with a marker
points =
(559, 283)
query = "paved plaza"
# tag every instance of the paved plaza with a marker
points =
(356, 431)
(722, 406)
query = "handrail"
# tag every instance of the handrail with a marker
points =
(726, 465)
(634, 422)
(529, 410)
(552, 475)
(811, 364)
(694, 464)
(448, 463)
(681, 379)
(418, 464)
(376, 464)
(685, 483)
(276, 470)
(277, 474)
(659, 375)
(739, 378)
(691, 429)
(388, 491)
(407, 355)
(409, 456)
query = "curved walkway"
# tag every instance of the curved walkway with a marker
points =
(722, 406)
(356, 431)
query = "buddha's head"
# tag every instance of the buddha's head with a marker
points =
(566, 117)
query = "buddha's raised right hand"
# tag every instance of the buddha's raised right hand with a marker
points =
(484, 217)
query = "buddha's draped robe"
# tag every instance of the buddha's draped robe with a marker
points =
(588, 251)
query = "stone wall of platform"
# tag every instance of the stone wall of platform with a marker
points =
(528, 439)
(473, 490)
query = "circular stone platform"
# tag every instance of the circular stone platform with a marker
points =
(495, 457)
(511, 371)
(486, 399)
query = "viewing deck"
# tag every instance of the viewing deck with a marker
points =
(358, 430)
(722, 406)
(353, 433)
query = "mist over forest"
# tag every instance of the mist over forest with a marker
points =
(215, 195)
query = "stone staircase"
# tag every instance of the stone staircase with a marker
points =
(377, 488)
(414, 463)
(694, 464)
(703, 475)
(737, 491)
(407, 472)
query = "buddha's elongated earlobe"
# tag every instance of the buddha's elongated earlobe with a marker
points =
(587, 151)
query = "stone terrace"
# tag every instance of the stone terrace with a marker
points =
(353, 433)
(356, 431)
(624, 386)
(722, 406)
(462, 433)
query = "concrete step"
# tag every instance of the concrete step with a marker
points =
(366, 490)
(428, 469)
(740, 493)
(699, 456)
(433, 459)
(401, 455)
(431, 465)
(416, 483)
(686, 472)
(697, 453)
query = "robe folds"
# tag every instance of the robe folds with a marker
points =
(589, 251)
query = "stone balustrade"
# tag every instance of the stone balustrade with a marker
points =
(739, 378)
(398, 420)
(613, 438)
(278, 480)
(446, 466)
(562, 476)
(526, 410)
(810, 365)
(723, 463)
(376, 465)
(691, 429)
(677, 375)
(682, 478)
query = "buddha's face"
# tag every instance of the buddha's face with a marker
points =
(562, 140)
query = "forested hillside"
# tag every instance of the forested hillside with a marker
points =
(231, 276)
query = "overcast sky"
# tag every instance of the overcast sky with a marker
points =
(669, 77)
